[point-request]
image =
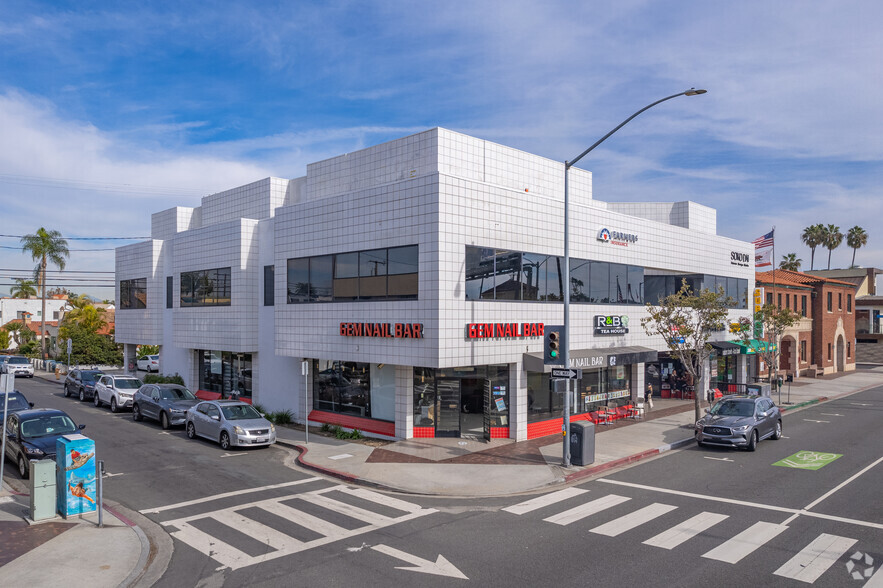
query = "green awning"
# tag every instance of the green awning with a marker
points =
(753, 346)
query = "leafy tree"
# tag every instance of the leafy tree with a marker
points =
(685, 321)
(790, 262)
(774, 321)
(88, 317)
(147, 350)
(88, 347)
(856, 237)
(833, 239)
(4, 339)
(24, 288)
(28, 348)
(813, 236)
(19, 333)
(45, 247)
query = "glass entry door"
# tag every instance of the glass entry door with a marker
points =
(448, 395)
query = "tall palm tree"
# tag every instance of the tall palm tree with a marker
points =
(24, 288)
(833, 239)
(790, 262)
(856, 237)
(813, 236)
(45, 247)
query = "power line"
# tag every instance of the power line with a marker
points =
(84, 238)
(54, 285)
(98, 187)
(66, 271)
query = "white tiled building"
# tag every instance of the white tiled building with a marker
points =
(438, 230)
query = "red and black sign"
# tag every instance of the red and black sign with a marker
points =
(385, 330)
(503, 330)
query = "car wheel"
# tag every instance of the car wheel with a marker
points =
(164, 420)
(67, 391)
(752, 443)
(96, 400)
(136, 414)
(191, 431)
(23, 467)
(225, 441)
(82, 395)
(113, 404)
(778, 434)
(699, 443)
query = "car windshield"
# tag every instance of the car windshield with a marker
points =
(742, 408)
(127, 383)
(18, 360)
(176, 394)
(14, 401)
(57, 424)
(240, 412)
(91, 376)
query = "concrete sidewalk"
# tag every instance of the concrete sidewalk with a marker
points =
(470, 467)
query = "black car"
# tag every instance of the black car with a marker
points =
(15, 403)
(81, 383)
(739, 421)
(31, 434)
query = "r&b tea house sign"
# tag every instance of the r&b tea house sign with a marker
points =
(616, 237)
(611, 325)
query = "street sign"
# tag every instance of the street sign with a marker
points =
(567, 374)
(70, 345)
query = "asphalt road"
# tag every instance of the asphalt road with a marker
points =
(694, 517)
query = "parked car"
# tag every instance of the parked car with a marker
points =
(231, 423)
(117, 391)
(167, 403)
(18, 365)
(15, 403)
(3, 360)
(740, 421)
(31, 434)
(148, 363)
(81, 383)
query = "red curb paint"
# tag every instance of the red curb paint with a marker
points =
(119, 516)
(610, 465)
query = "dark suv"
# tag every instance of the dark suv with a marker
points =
(81, 383)
(739, 421)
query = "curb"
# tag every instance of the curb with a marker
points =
(593, 470)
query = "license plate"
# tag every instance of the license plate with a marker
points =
(260, 440)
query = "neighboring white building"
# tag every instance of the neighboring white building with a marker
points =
(16, 308)
(414, 279)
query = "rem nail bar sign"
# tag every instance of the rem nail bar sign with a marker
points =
(382, 330)
(503, 330)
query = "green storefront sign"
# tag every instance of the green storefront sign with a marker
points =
(808, 460)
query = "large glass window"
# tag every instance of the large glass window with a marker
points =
(636, 285)
(599, 276)
(372, 274)
(473, 387)
(133, 293)
(206, 287)
(298, 280)
(403, 265)
(354, 388)
(225, 373)
(346, 276)
(619, 280)
(580, 280)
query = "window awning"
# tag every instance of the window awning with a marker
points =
(754, 346)
(726, 348)
(594, 358)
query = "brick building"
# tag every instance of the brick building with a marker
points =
(824, 338)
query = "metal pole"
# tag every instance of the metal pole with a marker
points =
(305, 370)
(100, 494)
(3, 443)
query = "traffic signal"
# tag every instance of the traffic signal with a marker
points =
(553, 345)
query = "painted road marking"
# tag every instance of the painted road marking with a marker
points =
(808, 460)
(830, 414)
(815, 421)
(541, 501)
(232, 454)
(833, 490)
(341, 456)
(686, 530)
(745, 542)
(815, 558)
(226, 495)
(587, 509)
(718, 458)
(628, 522)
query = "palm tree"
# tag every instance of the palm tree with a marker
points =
(833, 239)
(790, 262)
(44, 247)
(23, 289)
(89, 317)
(855, 238)
(813, 236)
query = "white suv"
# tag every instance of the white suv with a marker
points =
(117, 391)
(20, 366)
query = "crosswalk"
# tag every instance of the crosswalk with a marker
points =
(243, 527)
(806, 566)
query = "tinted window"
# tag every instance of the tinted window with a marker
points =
(240, 412)
(619, 281)
(44, 425)
(14, 402)
(299, 280)
(372, 274)
(599, 291)
(269, 285)
(321, 278)
(206, 287)
(127, 384)
(176, 394)
(579, 280)
(18, 360)
(636, 285)
(346, 276)
(133, 293)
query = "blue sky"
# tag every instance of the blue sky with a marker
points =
(113, 111)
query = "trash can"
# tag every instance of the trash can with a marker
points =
(582, 443)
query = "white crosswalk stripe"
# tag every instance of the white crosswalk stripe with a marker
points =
(745, 542)
(584, 510)
(685, 531)
(281, 543)
(814, 559)
(543, 501)
(633, 519)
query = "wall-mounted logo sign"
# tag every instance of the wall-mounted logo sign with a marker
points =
(383, 330)
(616, 237)
(503, 330)
(611, 325)
(740, 259)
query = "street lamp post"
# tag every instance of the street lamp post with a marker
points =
(567, 166)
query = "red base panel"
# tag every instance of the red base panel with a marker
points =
(499, 432)
(424, 433)
(353, 422)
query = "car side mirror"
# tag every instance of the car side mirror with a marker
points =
(216, 417)
(707, 411)
(81, 427)
(31, 404)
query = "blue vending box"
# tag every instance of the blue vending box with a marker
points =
(75, 456)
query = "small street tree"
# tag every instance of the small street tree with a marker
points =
(685, 321)
(774, 321)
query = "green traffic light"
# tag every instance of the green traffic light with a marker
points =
(553, 353)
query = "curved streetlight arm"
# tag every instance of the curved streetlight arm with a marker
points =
(690, 92)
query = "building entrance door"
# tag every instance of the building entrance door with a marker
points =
(472, 407)
(448, 398)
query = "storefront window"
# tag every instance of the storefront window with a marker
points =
(473, 384)
(726, 368)
(424, 397)
(597, 388)
(225, 373)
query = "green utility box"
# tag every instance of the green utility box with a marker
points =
(43, 489)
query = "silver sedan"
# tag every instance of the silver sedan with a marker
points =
(231, 423)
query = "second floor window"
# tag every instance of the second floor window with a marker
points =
(133, 293)
(206, 287)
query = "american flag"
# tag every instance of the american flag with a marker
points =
(765, 241)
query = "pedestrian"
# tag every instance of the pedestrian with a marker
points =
(648, 397)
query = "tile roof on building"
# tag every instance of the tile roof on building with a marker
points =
(787, 277)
